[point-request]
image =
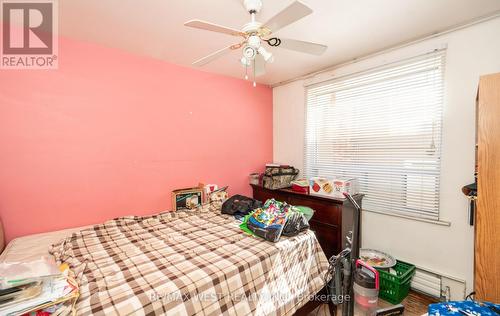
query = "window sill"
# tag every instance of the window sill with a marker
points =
(430, 221)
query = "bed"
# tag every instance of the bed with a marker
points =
(181, 263)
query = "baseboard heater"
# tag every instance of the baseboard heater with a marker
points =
(427, 283)
(442, 287)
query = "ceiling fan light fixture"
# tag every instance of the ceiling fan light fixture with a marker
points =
(254, 41)
(268, 57)
(256, 35)
(249, 52)
(245, 62)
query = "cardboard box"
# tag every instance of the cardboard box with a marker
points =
(334, 188)
(189, 198)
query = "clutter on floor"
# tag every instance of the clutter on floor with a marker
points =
(377, 258)
(366, 288)
(466, 308)
(348, 278)
(395, 275)
(395, 283)
(415, 304)
(35, 286)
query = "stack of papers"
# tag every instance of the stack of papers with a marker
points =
(16, 274)
(31, 286)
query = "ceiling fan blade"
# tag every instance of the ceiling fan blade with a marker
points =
(260, 65)
(301, 46)
(199, 24)
(294, 12)
(205, 60)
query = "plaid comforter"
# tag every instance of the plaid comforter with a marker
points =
(189, 263)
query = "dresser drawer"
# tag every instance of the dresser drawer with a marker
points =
(264, 195)
(327, 236)
(325, 212)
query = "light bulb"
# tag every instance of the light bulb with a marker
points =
(245, 62)
(268, 57)
(254, 84)
(246, 77)
(249, 52)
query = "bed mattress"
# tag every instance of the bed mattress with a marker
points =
(189, 263)
(33, 247)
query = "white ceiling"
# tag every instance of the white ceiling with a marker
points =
(350, 28)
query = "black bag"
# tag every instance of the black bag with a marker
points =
(239, 205)
(269, 234)
(295, 223)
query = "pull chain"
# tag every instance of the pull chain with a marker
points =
(254, 83)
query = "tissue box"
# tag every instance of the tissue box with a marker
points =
(334, 188)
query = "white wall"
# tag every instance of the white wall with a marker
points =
(471, 52)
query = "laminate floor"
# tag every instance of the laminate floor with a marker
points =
(415, 305)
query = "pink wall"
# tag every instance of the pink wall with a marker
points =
(111, 134)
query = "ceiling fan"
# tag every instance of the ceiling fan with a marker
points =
(255, 34)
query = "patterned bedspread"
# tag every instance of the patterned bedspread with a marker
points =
(190, 263)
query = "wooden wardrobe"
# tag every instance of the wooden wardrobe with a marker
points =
(487, 227)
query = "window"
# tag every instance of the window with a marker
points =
(384, 128)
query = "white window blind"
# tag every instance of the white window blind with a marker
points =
(382, 127)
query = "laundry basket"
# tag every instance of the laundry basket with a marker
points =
(395, 287)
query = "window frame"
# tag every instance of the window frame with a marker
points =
(439, 54)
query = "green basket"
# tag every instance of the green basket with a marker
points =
(394, 287)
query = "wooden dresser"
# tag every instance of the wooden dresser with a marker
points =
(332, 218)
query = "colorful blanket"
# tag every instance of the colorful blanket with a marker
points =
(470, 308)
(190, 263)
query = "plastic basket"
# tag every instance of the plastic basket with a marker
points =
(395, 287)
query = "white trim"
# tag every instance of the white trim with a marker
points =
(309, 83)
(410, 42)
